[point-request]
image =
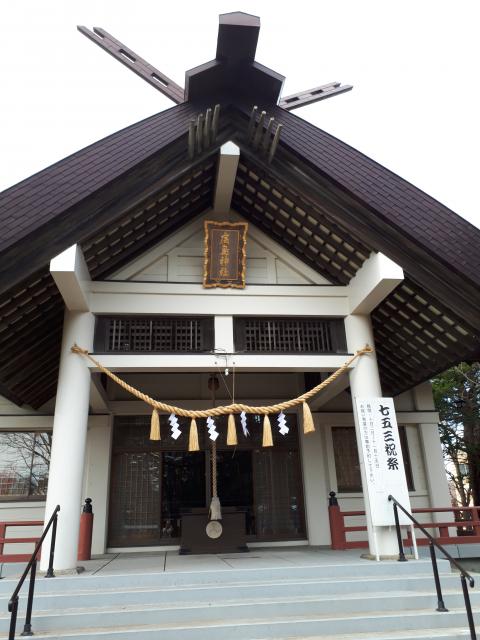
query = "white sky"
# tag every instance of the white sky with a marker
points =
(414, 65)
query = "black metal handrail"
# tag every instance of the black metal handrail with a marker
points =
(464, 575)
(32, 567)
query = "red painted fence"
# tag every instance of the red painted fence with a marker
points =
(84, 542)
(465, 520)
(17, 557)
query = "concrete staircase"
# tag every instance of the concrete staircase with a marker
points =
(361, 599)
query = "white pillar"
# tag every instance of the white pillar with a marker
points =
(69, 440)
(432, 451)
(365, 382)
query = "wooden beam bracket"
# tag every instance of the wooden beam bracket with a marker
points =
(261, 135)
(203, 131)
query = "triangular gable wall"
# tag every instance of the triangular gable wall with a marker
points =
(180, 259)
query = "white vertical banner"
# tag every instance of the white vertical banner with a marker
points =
(382, 459)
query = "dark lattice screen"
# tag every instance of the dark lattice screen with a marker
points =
(153, 482)
(290, 335)
(158, 334)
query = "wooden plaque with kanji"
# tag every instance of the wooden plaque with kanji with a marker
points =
(225, 254)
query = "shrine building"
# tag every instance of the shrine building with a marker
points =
(223, 252)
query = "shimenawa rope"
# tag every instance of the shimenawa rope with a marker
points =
(231, 408)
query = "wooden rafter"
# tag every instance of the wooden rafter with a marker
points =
(149, 221)
(277, 210)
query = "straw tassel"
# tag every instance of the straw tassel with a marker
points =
(155, 426)
(215, 508)
(231, 431)
(267, 433)
(308, 426)
(193, 437)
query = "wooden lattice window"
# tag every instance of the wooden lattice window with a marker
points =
(290, 335)
(154, 334)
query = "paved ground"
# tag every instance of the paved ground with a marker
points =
(154, 562)
(170, 561)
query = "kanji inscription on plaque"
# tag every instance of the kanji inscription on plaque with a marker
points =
(225, 254)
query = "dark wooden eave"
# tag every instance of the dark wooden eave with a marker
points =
(417, 337)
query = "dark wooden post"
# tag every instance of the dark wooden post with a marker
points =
(337, 525)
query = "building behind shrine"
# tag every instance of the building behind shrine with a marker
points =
(106, 249)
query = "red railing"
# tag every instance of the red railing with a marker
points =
(466, 521)
(84, 542)
(17, 557)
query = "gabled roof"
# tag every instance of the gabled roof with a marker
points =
(325, 201)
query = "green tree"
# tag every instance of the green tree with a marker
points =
(457, 398)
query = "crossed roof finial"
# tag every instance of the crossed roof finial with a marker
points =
(234, 71)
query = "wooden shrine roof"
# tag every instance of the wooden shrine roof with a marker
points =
(324, 201)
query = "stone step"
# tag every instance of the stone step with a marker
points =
(423, 634)
(354, 570)
(361, 598)
(264, 610)
(381, 625)
(60, 600)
